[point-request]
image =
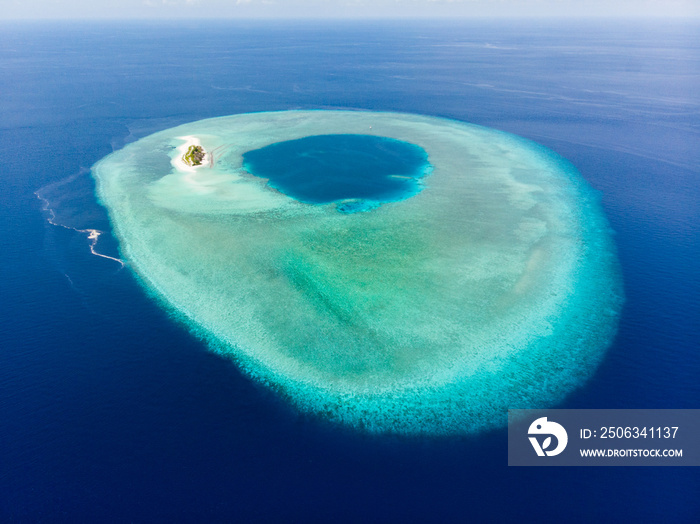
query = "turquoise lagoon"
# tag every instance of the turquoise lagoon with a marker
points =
(464, 271)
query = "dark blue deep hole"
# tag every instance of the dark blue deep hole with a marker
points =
(358, 172)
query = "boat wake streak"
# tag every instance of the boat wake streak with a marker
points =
(93, 235)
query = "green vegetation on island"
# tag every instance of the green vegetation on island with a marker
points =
(194, 156)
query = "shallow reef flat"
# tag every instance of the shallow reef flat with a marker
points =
(496, 286)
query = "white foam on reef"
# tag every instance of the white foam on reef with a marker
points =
(495, 287)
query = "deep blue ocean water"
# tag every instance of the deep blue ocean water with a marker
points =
(322, 169)
(110, 411)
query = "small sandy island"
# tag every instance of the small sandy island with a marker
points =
(190, 155)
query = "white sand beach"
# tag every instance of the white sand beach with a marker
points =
(179, 164)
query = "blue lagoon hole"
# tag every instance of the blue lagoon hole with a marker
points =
(357, 172)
